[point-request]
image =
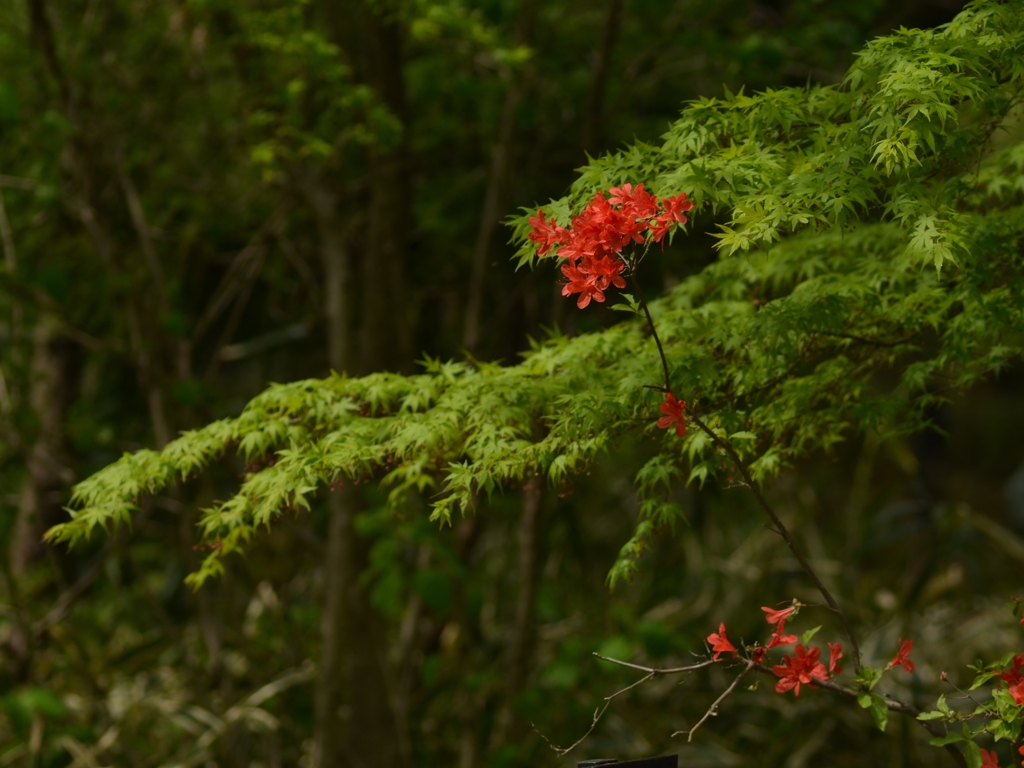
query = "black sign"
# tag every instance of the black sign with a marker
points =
(667, 761)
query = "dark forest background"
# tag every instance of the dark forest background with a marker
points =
(200, 197)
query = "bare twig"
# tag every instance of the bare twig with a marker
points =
(713, 709)
(238, 273)
(599, 713)
(990, 711)
(144, 233)
(656, 671)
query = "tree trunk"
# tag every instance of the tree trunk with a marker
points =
(49, 469)
(334, 681)
(355, 721)
(496, 196)
(594, 120)
(520, 652)
(385, 339)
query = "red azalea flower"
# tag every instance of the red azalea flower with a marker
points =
(1013, 676)
(635, 203)
(989, 759)
(758, 655)
(673, 409)
(720, 642)
(582, 283)
(775, 615)
(835, 653)
(659, 228)
(677, 207)
(901, 660)
(1021, 751)
(1017, 691)
(546, 235)
(804, 667)
(780, 639)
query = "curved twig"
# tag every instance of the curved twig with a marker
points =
(654, 331)
(713, 709)
(752, 485)
(652, 672)
(781, 529)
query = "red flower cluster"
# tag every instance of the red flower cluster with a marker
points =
(1015, 680)
(593, 243)
(803, 668)
(989, 759)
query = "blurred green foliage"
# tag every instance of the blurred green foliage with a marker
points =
(214, 115)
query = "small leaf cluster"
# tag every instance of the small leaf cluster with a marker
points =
(1003, 717)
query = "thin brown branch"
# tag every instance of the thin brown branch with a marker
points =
(657, 671)
(236, 273)
(654, 331)
(43, 37)
(781, 529)
(245, 290)
(652, 672)
(598, 714)
(893, 706)
(713, 709)
(233, 280)
(752, 485)
(144, 233)
(20, 292)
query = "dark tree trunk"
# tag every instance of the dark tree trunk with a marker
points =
(593, 124)
(356, 722)
(386, 316)
(520, 651)
(40, 504)
(498, 183)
